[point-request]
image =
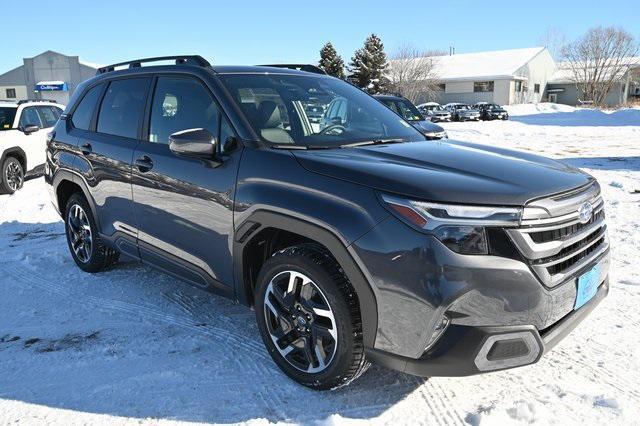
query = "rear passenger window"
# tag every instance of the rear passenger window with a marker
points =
(181, 103)
(81, 117)
(48, 116)
(122, 107)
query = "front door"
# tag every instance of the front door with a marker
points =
(33, 144)
(184, 206)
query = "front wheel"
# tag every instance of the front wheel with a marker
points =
(309, 318)
(12, 177)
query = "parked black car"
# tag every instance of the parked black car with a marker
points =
(405, 109)
(355, 242)
(491, 111)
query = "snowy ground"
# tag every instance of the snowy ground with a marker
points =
(135, 346)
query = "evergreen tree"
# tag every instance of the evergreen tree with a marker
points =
(330, 61)
(368, 66)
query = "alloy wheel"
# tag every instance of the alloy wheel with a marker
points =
(79, 231)
(300, 322)
(14, 176)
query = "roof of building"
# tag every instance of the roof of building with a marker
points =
(495, 64)
(564, 73)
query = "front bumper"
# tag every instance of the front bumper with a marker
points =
(465, 351)
(417, 281)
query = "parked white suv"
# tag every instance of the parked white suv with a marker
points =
(23, 136)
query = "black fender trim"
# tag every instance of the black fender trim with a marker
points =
(63, 175)
(337, 247)
(14, 150)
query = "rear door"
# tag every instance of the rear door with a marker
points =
(184, 206)
(106, 152)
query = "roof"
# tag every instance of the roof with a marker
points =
(564, 73)
(8, 104)
(495, 64)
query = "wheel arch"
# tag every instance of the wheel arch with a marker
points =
(17, 153)
(260, 229)
(66, 183)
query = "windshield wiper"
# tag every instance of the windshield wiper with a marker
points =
(373, 142)
(303, 147)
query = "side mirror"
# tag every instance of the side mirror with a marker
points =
(30, 128)
(198, 143)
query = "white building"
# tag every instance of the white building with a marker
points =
(502, 77)
(49, 75)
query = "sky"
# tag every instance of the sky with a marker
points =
(255, 32)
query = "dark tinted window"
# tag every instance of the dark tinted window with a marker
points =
(7, 115)
(226, 132)
(49, 115)
(122, 107)
(81, 118)
(30, 117)
(181, 104)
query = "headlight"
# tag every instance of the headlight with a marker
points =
(459, 227)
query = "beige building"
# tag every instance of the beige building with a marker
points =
(49, 75)
(503, 77)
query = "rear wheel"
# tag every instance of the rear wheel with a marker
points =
(12, 177)
(309, 319)
(85, 244)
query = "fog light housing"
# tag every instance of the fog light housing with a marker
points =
(438, 332)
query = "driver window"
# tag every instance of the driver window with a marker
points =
(181, 103)
(30, 117)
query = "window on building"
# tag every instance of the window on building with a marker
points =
(181, 103)
(441, 87)
(82, 115)
(536, 88)
(11, 93)
(122, 107)
(518, 86)
(483, 86)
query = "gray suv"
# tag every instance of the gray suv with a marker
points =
(355, 242)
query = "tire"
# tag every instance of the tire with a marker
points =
(327, 307)
(83, 239)
(12, 177)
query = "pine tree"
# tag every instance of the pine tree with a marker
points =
(330, 61)
(368, 66)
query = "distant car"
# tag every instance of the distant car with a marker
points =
(434, 112)
(405, 109)
(491, 111)
(23, 137)
(462, 112)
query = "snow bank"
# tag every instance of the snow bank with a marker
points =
(550, 114)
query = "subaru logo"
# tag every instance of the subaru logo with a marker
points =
(585, 211)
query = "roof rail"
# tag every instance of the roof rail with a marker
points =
(300, 67)
(179, 60)
(24, 101)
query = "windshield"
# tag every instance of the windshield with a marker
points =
(314, 111)
(404, 109)
(7, 114)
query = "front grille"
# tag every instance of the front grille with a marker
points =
(561, 233)
(563, 266)
(559, 245)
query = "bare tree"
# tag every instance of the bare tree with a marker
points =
(412, 73)
(554, 40)
(599, 60)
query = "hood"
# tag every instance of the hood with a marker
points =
(454, 172)
(427, 127)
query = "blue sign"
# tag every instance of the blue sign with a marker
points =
(52, 87)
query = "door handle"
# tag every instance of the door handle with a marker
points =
(86, 149)
(144, 163)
